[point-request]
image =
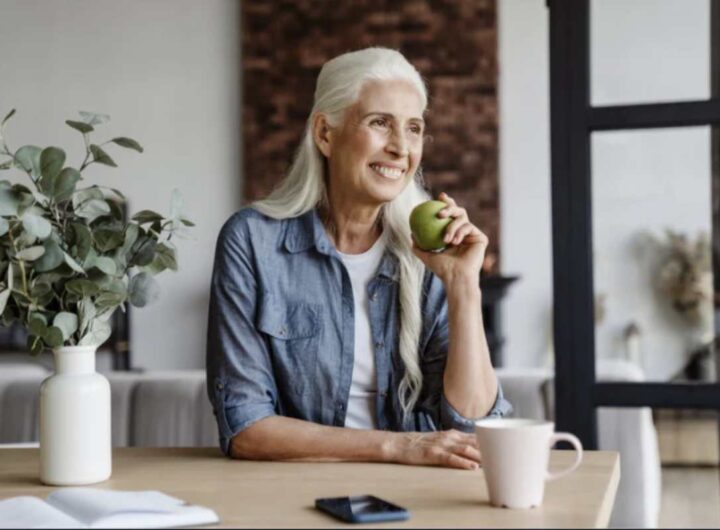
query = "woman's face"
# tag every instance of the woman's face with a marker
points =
(375, 152)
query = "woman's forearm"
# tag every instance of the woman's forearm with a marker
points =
(469, 379)
(282, 438)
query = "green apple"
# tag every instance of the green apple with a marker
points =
(427, 228)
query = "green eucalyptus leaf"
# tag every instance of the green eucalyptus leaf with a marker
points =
(52, 160)
(82, 287)
(74, 265)
(131, 234)
(8, 116)
(67, 323)
(6, 165)
(53, 337)
(155, 228)
(83, 240)
(92, 209)
(107, 239)
(143, 290)
(109, 299)
(166, 256)
(28, 158)
(90, 259)
(40, 289)
(36, 225)
(4, 226)
(86, 194)
(65, 184)
(30, 253)
(93, 118)
(147, 216)
(80, 126)
(10, 277)
(118, 193)
(100, 156)
(128, 143)
(98, 332)
(25, 239)
(37, 325)
(9, 202)
(187, 222)
(143, 251)
(52, 258)
(86, 314)
(4, 296)
(116, 210)
(106, 265)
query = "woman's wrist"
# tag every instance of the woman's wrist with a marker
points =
(389, 446)
(462, 285)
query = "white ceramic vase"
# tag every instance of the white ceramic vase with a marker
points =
(75, 440)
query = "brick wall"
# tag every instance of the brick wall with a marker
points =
(453, 43)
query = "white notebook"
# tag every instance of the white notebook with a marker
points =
(97, 508)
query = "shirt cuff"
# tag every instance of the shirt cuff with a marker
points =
(452, 419)
(239, 418)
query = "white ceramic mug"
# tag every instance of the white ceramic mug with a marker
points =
(515, 455)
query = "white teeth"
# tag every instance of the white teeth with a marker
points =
(388, 172)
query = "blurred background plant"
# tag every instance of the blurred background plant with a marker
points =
(68, 256)
(685, 275)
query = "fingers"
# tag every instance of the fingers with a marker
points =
(446, 198)
(460, 229)
(461, 450)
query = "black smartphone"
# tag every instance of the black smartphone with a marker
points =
(362, 509)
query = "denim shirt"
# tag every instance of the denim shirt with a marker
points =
(281, 332)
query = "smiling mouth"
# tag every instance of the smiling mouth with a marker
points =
(387, 172)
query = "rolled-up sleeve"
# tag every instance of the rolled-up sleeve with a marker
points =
(240, 381)
(435, 348)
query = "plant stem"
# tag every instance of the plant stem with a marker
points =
(21, 263)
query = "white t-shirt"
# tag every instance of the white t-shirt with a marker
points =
(361, 268)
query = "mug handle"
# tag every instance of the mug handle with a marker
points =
(566, 437)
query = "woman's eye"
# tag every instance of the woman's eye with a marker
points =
(382, 122)
(416, 130)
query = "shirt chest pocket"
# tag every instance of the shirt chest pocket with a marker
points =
(293, 333)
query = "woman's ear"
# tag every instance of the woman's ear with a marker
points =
(322, 134)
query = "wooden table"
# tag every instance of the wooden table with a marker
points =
(282, 494)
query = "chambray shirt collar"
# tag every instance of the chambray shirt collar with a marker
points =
(307, 231)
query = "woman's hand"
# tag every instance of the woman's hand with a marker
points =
(443, 448)
(466, 244)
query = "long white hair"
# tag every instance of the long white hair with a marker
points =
(304, 188)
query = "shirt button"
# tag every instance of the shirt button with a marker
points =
(373, 297)
(378, 345)
(282, 331)
(219, 386)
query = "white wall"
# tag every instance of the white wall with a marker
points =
(168, 74)
(525, 178)
(642, 181)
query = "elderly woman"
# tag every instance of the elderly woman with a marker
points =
(332, 337)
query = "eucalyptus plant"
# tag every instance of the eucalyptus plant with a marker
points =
(68, 256)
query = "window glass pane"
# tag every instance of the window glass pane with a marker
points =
(669, 458)
(644, 51)
(653, 277)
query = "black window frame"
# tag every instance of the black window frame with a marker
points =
(573, 120)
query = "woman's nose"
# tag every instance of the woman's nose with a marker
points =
(398, 144)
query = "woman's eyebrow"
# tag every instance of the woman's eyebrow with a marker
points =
(391, 116)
